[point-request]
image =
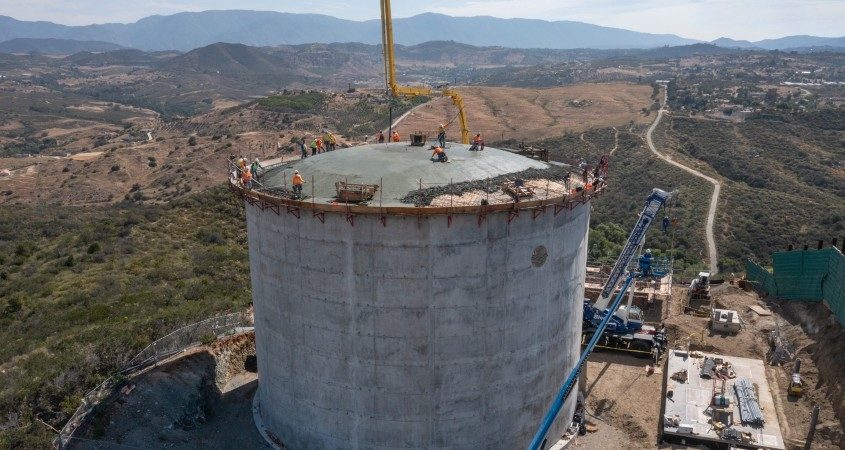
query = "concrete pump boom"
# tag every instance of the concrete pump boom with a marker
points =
(398, 90)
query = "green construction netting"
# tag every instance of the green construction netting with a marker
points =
(761, 277)
(808, 275)
(833, 286)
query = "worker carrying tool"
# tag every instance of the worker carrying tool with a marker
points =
(396, 136)
(477, 143)
(645, 263)
(441, 135)
(439, 155)
(297, 184)
(380, 137)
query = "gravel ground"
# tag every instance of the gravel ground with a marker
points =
(423, 197)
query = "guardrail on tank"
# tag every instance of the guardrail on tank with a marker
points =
(159, 350)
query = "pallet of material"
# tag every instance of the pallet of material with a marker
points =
(354, 192)
(517, 190)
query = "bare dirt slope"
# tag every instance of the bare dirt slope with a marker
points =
(535, 113)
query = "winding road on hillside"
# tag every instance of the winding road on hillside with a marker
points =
(714, 199)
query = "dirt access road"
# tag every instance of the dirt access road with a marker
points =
(714, 199)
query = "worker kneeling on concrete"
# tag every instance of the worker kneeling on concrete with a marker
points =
(645, 263)
(297, 184)
(477, 143)
(439, 155)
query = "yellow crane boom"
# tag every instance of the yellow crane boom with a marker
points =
(407, 91)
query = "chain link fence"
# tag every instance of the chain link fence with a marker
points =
(161, 349)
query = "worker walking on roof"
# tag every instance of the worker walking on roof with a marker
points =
(380, 137)
(314, 147)
(246, 178)
(441, 135)
(297, 184)
(439, 155)
(396, 136)
(302, 148)
(256, 168)
(329, 141)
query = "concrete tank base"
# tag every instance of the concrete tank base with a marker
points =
(426, 332)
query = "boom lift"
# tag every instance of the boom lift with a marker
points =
(398, 90)
(600, 315)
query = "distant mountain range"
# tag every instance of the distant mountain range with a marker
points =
(784, 43)
(187, 31)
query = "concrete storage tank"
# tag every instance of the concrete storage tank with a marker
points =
(391, 325)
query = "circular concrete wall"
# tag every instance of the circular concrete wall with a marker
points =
(417, 333)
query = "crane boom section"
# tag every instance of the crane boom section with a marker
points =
(657, 199)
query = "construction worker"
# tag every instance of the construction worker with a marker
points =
(645, 263)
(441, 135)
(313, 147)
(297, 184)
(246, 179)
(477, 143)
(396, 137)
(439, 155)
(302, 148)
(320, 145)
(380, 137)
(666, 223)
(329, 141)
(255, 168)
(241, 164)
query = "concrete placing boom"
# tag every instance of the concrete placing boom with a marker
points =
(398, 90)
(653, 203)
(657, 199)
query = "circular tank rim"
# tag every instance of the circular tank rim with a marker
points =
(275, 203)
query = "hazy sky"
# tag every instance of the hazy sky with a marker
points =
(699, 19)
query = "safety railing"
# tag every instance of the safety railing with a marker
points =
(566, 188)
(159, 350)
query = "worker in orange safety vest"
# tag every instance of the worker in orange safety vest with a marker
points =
(439, 155)
(297, 183)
